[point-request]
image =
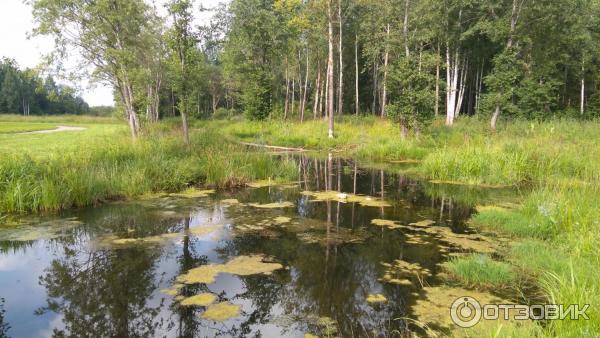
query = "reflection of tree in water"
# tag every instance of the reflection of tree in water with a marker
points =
(105, 292)
(188, 323)
(4, 327)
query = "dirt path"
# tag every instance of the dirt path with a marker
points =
(56, 130)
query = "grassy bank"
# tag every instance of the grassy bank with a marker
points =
(70, 169)
(556, 227)
(520, 151)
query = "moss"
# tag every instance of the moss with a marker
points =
(221, 311)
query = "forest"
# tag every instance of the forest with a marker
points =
(28, 93)
(289, 59)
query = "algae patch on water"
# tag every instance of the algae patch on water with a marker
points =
(434, 308)
(401, 272)
(203, 299)
(376, 298)
(222, 311)
(270, 183)
(281, 220)
(386, 223)
(194, 193)
(334, 236)
(152, 240)
(205, 229)
(230, 201)
(275, 205)
(424, 223)
(366, 201)
(45, 230)
(242, 266)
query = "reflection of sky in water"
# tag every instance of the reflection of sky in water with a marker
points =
(321, 279)
(22, 292)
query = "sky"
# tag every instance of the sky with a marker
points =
(16, 23)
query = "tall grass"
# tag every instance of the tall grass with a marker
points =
(480, 270)
(100, 171)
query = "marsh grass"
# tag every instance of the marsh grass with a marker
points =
(519, 152)
(93, 169)
(480, 271)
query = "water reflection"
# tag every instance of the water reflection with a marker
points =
(77, 285)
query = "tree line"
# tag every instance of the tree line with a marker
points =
(27, 92)
(407, 60)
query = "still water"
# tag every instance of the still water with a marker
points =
(308, 262)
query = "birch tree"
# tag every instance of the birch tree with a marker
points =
(108, 35)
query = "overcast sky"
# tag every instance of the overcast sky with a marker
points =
(16, 22)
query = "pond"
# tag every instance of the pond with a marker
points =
(345, 250)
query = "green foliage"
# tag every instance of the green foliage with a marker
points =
(26, 92)
(502, 82)
(412, 89)
(256, 97)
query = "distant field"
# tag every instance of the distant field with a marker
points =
(42, 145)
(21, 127)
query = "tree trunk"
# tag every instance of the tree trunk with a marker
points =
(287, 90)
(186, 132)
(375, 85)
(405, 28)
(127, 97)
(317, 89)
(341, 60)
(582, 100)
(495, 117)
(385, 71)
(356, 102)
(437, 82)
(330, 70)
(303, 105)
(293, 96)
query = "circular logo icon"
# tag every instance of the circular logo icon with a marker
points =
(465, 312)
